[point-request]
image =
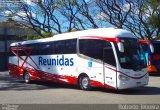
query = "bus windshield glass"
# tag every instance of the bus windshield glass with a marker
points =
(156, 48)
(133, 56)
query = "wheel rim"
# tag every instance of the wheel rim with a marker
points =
(85, 82)
(26, 78)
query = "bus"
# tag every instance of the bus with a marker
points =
(153, 58)
(104, 57)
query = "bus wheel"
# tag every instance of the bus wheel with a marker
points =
(26, 77)
(84, 82)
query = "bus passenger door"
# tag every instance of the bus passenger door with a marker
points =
(109, 68)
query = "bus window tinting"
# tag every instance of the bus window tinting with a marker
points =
(133, 56)
(44, 48)
(156, 48)
(144, 46)
(21, 52)
(71, 46)
(10, 51)
(108, 55)
(34, 48)
(65, 46)
(54, 47)
(93, 47)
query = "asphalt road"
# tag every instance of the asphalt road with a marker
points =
(13, 91)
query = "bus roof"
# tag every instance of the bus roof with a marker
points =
(102, 32)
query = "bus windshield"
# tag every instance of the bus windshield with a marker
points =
(156, 48)
(133, 56)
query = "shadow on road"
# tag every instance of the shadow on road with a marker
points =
(134, 91)
(155, 75)
(8, 84)
(35, 85)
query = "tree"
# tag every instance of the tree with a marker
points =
(87, 10)
(77, 14)
(68, 12)
(135, 16)
(48, 16)
(114, 11)
(141, 17)
(154, 19)
(55, 15)
(32, 37)
(41, 16)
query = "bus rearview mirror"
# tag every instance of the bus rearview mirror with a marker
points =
(120, 46)
(151, 48)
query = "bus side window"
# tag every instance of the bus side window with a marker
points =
(45, 48)
(59, 47)
(22, 52)
(10, 51)
(34, 48)
(64, 46)
(70, 46)
(144, 46)
(88, 47)
(108, 56)
(93, 47)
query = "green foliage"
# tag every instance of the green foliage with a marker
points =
(10, 20)
(47, 34)
(30, 37)
(154, 4)
(157, 38)
(142, 17)
(154, 21)
(44, 35)
(74, 30)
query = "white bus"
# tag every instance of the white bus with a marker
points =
(104, 57)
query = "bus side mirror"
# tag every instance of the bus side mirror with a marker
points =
(120, 46)
(151, 48)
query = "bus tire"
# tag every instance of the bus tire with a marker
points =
(84, 82)
(26, 77)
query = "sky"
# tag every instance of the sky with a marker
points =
(6, 13)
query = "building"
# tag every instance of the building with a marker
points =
(10, 32)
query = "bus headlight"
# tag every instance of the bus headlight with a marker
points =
(123, 77)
